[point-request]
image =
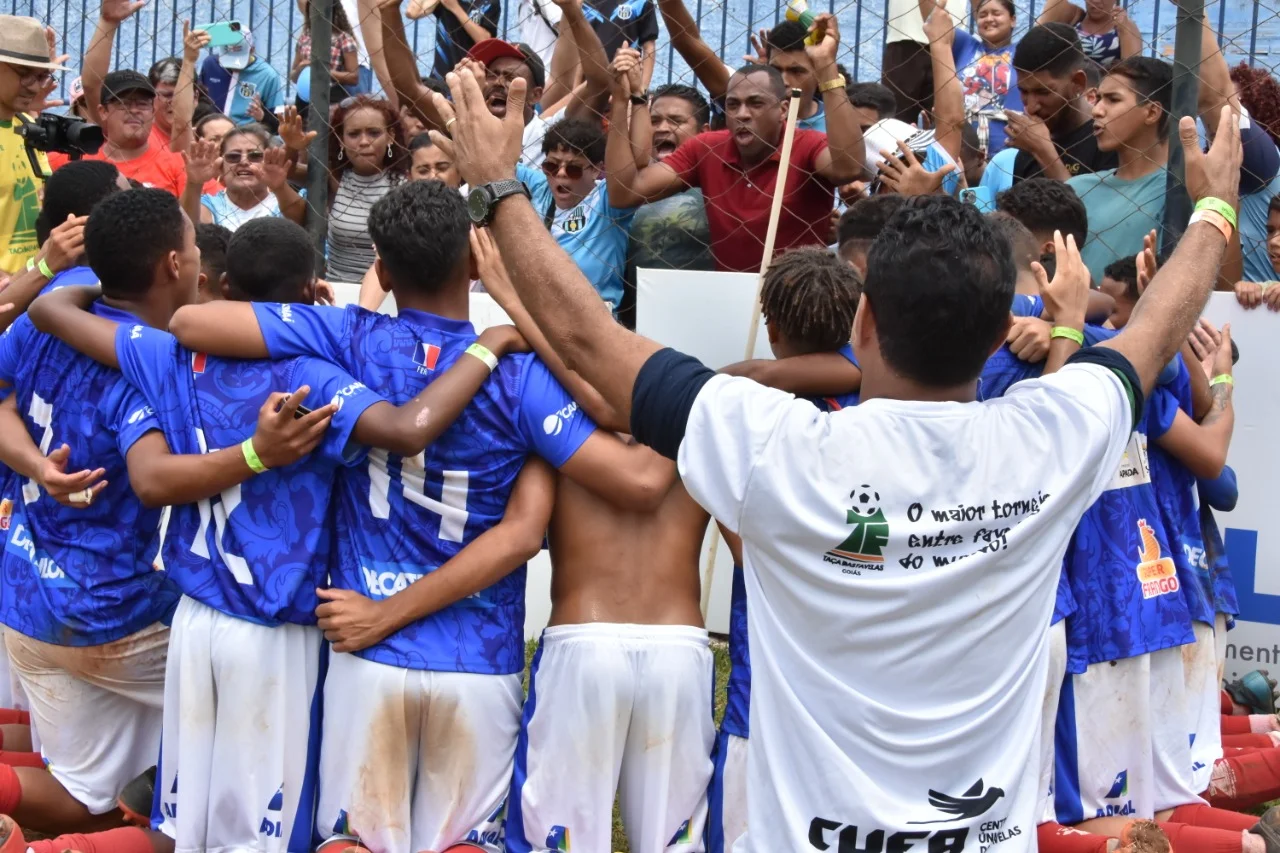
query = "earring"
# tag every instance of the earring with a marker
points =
(390, 151)
(342, 153)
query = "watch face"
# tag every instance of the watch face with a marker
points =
(478, 204)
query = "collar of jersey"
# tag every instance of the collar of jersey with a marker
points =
(436, 322)
(119, 315)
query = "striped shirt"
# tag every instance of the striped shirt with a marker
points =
(350, 246)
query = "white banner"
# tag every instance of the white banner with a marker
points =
(1254, 555)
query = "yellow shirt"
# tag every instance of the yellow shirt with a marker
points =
(19, 201)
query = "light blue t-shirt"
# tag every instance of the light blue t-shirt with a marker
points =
(593, 232)
(1253, 232)
(1121, 213)
(934, 159)
(998, 176)
(234, 91)
(817, 121)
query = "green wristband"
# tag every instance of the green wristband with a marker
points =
(1219, 207)
(251, 456)
(1222, 379)
(33, 264)
(1068, 333)
(482, 352)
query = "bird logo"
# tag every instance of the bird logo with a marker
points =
(970, 804)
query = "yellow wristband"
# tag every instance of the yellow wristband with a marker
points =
(1222, 379)
(1068, 333)
(44, 269)
(837, 82)
(481, 352)
(251, 456)
(1219, 207)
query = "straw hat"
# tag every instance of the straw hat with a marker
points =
(22, 42)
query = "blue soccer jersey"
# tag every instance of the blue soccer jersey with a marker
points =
(400, 518)
(1175, 489)
(738, 701)
(80, 577)
(259, 549)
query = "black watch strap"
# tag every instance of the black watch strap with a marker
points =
(640, 99)
(497, 191)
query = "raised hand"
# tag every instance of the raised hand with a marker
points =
(292, 131)
(275, 168)
(115, 11)
(491, 269)
(417, 8)
(1215, 174)
(908, 176)
(486, 147)
(65, 244)
(628, 62)
(193, 41)
(1146, 261)
(203, 162)
(282, 436)
(1066, 298)
(823, 54)
(940, 27)
(760, 44)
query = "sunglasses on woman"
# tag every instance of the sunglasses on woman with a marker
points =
(572, 171)
(234, 157)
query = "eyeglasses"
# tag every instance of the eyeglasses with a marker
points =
(507, 77)
(254, 155)
(572, 171)
(32, 76)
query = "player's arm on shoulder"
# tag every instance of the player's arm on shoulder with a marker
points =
(352, 621)
(409, 429)
(64, 313)
(810, 375)
(221, 328)
(626, 474)
(160, 477)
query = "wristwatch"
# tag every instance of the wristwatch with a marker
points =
(482, 201)
(640, 99)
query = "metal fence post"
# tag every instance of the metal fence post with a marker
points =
(1186, 92)
(321, 24)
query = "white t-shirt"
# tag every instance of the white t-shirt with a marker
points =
(535, 31)
(905, 24)
(894, 691)
(531, 142)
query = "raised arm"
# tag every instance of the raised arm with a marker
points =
(1202, 447)
(629, 186)
(1171, 304)
(184, 94)
(353, 622)
(841, 161)
(561, 301)
(562, 74)
(476, 31)
(223, 328)
(592, 59)
(97, 57)
(1128, 32)
(64, 313)
(1060, 11)
(202, 163)
(948, 96)
(707, 66)
(402, 68)
(275, 171)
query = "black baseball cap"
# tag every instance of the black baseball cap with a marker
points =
(117, 84)
(490, 49)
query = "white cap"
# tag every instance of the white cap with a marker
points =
(235, 57)
(885, 135)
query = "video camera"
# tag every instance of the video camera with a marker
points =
(63, 134)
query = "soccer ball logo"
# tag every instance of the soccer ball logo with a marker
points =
(865, 501)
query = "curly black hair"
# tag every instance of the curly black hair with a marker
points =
(810, 296)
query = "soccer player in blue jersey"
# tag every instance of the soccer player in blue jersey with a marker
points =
(250, 578)
(420, 729)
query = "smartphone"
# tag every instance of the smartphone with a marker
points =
(223, 33)
(301, 411)
(982, 198)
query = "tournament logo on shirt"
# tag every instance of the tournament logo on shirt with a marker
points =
(6, 513)
(426, 355)
(864, 546)
(1157, 574)
(558, 838)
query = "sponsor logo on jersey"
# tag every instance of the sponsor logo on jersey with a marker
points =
(271, 826)
(554, 423)
(198, 361)
(342, 826)
(624, 12)
(45, 567)
(476, 15)
(558, 838)
(386, 579)
(1157, 574)
(491, 833)
(826, 834)
(1135, 467)
(139, 414)
(135, 333)
(286, 313)
(1119, 791)
(343, 393)
(426, 355)
(6, 513)
(682, 836)
(864, 546)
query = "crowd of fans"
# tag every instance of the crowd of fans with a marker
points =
(274, 550)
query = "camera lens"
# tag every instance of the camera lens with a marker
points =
(84, 136)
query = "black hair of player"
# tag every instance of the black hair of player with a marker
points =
(128, 234)
(777, 85)
(73, 190)
(810, 296)
(1125, 271)
(422, 140)
(1052, 49)
(873, 96)
(578, 136)
(212, 242)
(688, 94)
(866, 217)
(1044, 206)
(421, 231)
(1152, 80)
(940, 280)
(271, 259)
(1022, 242)
(787, 36)
(1049, 262)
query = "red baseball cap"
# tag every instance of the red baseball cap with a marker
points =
(490, 49)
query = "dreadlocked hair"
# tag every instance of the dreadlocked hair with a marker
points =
(810, 296)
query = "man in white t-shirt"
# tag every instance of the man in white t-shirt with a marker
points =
(901, 557)
(907, 68)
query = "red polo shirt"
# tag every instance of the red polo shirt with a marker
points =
(738, 199)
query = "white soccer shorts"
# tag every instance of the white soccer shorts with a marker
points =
(241, 740)
(615, 707)
(96, 709)
(1171, 750)
(727, 795)
(11, 695)
(1049, 715)
(1200, 662)
(414, 760)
